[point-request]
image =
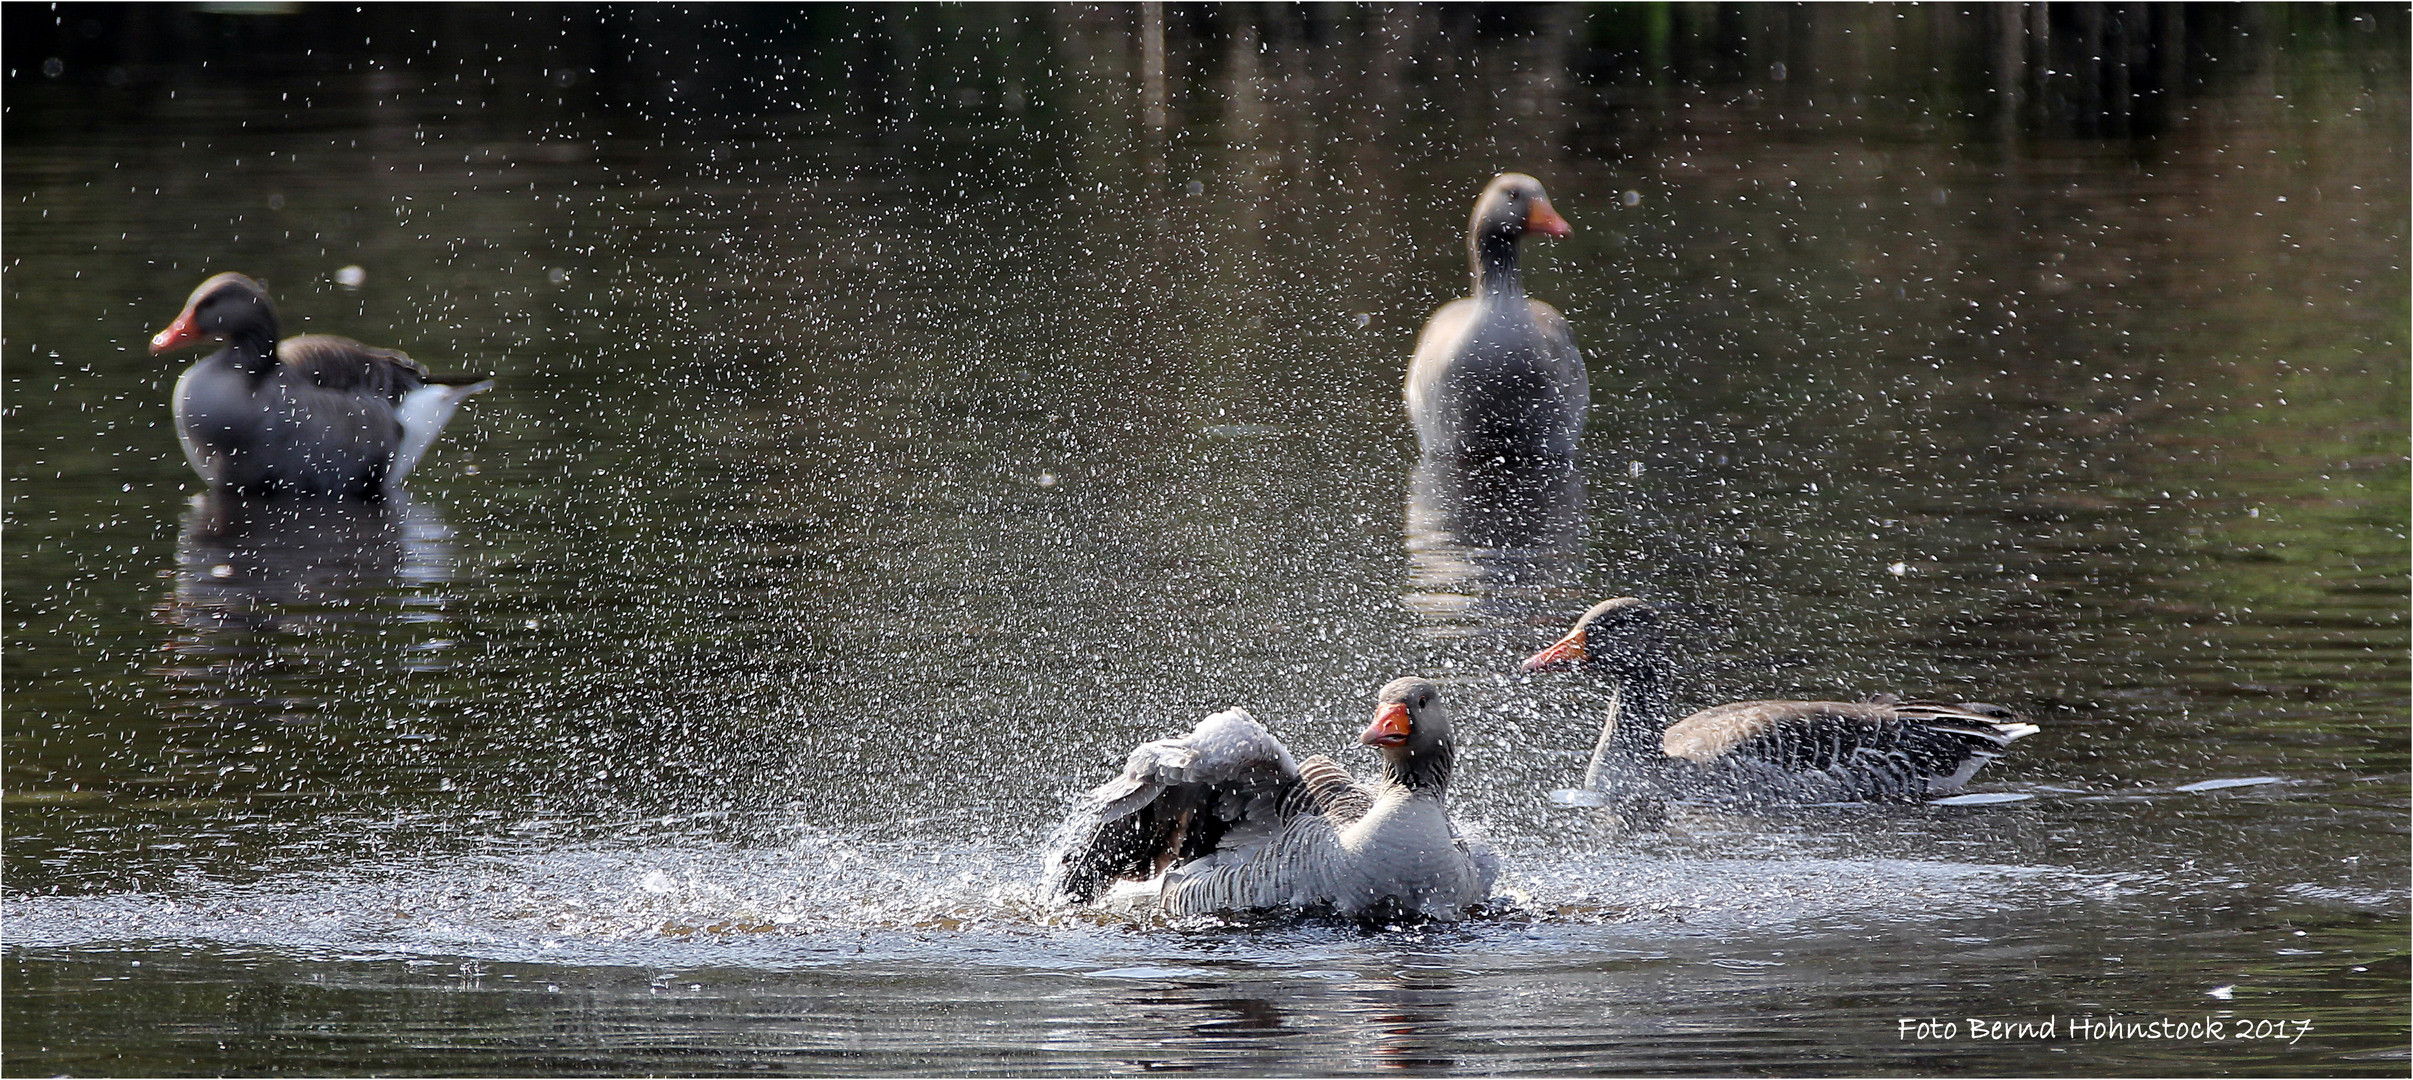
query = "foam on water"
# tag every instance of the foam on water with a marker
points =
(820, 899)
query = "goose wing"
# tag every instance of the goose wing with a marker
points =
(1327, 790)
(1845, 750)
(1558, 341)
(345, 365)
(1437, 345)
(1224, 784)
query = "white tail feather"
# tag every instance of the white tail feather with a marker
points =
(423, 414)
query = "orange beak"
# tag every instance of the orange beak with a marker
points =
(179, 334)
(1544, 220)
(1390, 726)
(1560, 657)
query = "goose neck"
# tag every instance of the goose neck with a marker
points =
(1639, 703)
(1493, 251)
(1424, 771)
(252, 351)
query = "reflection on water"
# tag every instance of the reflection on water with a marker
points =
(1407, 1020)
(694, 945)
(1492, 544)
(265, 564)
(285, 593)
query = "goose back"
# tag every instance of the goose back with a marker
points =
(1840, 751)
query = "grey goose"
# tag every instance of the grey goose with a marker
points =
(1497, 373)
(1764, 752)
(311, 415)
(1223, 820)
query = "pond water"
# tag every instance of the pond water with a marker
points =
(902, 413)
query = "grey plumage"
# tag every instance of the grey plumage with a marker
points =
(1497, 373)
(312, 415)
(1883, 750)
(1223, 820)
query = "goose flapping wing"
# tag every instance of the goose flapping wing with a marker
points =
(1176, 800)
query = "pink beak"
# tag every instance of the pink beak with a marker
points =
(1560, 657)
(179, 334)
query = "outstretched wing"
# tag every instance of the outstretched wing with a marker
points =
(1176, 800)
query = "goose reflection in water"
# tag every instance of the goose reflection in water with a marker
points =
(1491, 543)
(280, 587)
(1410, 1022)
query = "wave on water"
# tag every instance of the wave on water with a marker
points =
(822, 899)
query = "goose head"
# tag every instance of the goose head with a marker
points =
(1412, 731)
(1619, 636)
(1513, 205)
(227, 307)
(1617, 641)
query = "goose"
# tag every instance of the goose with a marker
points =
(1223, 820)
(1765, 752)
(1497, 373)
(313, 415)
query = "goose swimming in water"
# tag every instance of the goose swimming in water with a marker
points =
(1223, 820)
(1763, 752)
(312, 415)
(1497, 373)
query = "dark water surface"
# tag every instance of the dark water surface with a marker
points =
(902, 413)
